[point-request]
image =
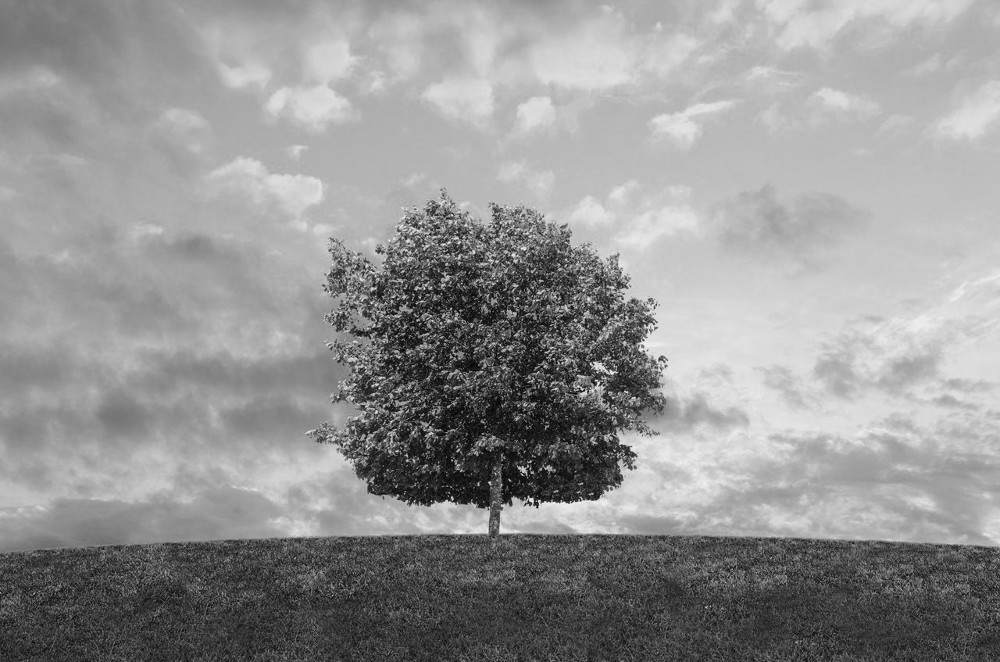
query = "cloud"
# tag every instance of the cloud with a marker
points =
(539, 183)
(295, 152)
(896, 125)
(974, 116)
(770, 80)
(534, 114)
(803, 24)
(292, 194)
(185, 137)
(327, 60)
(682, 129)
(314, 108)
(823, 106)
(593, 55)
(590, 211)
(78, 79)
(897, 354)
(464, 99)
(890, 480)
(687, 414)
(888, 358)
(831, 102)
(236, 56)
(780, 379)
(314, 104)
(893, 479)
(653, 224)
(663, 54)
(641, 217)
(291, 60)
(756, 225)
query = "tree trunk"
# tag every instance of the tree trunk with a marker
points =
(496, 496)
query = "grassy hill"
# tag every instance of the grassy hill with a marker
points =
(533, 597)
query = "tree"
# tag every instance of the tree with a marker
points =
(489, 361)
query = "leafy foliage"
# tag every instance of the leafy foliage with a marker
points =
(475, 339)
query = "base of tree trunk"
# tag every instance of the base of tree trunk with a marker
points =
(496, 497)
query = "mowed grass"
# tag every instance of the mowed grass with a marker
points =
(533, 597)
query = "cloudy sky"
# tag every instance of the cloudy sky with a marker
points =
(808, 188)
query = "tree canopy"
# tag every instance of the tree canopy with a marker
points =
(488, 354)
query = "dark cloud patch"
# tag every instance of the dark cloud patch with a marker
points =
(103, 43)
(86, 37)
(86, 70)
(950, 401)
(896, 481)
(968, 385)
(23, 368)
(273, 416)
(835, 372)
(68, 405)
(121, 415)
(683, 415)
(312, 374)
(718, 375)
(215, 514)
(900, 372)
(757, 225)
(780, 379)
(92, 287)
(886, 357)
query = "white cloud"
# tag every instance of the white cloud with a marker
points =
(252, 55)
(590, 211)
(681, 128)
(774, 119)
(535, 113)
(295, 152)
(327, 60)
(185, 128)
(828, 101)
(931, 65)
(661, 55)
(235, 55)
(36, 78)
(896, 124)
(249, 178)
(769, 80)
(313, 108)
(653, 224)
(822, 106)
(401, 36)
(594, 56)
(620, 194)
(642, 217)
(975, 115)
(803, 23)
(184, 118)
(466, 99)
(901, 352)
(724, 13)
(540, 183)
(246, 74)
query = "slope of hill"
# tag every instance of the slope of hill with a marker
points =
(532, 597)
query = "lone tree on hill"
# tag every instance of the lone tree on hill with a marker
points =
(489, 361)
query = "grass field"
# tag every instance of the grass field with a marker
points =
(533, 597)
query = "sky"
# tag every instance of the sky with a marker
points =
(807, 187)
